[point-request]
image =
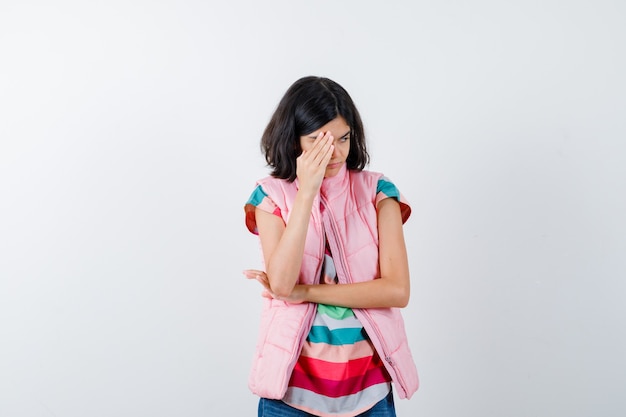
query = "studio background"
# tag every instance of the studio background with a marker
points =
(129, 142)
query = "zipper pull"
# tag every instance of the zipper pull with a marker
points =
(389, 360)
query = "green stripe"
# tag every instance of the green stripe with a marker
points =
(388, 188)
(257, 196)
(335, 312)
(321, 334)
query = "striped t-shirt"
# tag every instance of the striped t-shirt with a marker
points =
(338, 372)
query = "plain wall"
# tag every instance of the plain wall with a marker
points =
(129, 143)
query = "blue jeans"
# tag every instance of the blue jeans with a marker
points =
(277, 408)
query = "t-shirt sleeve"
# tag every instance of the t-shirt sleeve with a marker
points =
(260, 199)
(387, 189)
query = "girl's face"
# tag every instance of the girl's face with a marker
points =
(340, 131)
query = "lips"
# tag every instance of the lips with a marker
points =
(334, 165)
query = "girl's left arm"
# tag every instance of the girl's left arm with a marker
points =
(392, 289)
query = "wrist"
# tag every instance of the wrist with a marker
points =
(306, 195)
(301, 292)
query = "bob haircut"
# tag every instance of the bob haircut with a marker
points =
(309, 104)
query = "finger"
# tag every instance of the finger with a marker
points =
(320, 144)
(315, 145)
(326, 154)
(325, 151)
(264, 283)
(252, 273)
(319, 139)
(325, 141)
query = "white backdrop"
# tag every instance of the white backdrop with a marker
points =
(129, 142)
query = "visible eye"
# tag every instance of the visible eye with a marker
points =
(344, 139)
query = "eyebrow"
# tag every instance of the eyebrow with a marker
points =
(342, 136)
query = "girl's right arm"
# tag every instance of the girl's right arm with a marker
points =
(283, 245)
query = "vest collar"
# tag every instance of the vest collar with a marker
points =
(336, 185)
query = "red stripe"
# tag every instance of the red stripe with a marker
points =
(337, 371)
(337, 389)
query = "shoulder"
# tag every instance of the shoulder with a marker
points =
(273, 183)
(382, 188)
(368, 179)
(269, 196)
(366, 174)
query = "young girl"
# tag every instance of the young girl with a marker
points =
(332, 339)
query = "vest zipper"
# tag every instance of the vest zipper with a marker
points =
(386, 354)
(396, 375)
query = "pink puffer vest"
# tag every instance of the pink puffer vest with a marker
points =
(350, 222)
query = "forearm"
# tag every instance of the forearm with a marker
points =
(285, 259)
(378, 293)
